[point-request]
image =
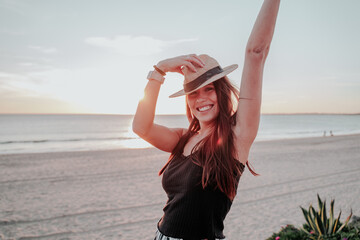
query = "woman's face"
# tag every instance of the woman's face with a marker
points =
(203, 104)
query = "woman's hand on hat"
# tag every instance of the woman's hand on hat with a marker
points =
(177, 63)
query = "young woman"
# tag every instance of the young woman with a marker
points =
(207, 159)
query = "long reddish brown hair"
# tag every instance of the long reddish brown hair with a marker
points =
(216, 153)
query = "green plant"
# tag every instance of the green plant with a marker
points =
(288, 233)
(355, 222)
(318, 226)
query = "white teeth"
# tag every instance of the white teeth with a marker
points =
(204, 108)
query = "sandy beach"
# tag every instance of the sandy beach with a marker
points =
(117, 194)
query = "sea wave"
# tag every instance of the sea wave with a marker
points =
(65, 140)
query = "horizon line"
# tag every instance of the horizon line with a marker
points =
(175, 114)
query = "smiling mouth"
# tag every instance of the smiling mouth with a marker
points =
(205, 108)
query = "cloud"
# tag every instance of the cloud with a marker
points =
(27, 64)
(134, 46)
(45, 50)
(11, 32)
(8, 78)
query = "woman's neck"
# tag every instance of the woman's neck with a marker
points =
(205, 129)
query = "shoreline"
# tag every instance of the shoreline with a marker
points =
(294, 138)
(176, 114)
(151, 147)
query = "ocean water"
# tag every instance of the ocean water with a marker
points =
(25, 133)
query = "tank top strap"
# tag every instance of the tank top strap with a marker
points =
(251, 169)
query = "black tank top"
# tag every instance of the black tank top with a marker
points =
(191, 212)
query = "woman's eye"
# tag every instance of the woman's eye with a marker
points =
(209, 89)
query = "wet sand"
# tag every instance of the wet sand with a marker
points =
(117, 194)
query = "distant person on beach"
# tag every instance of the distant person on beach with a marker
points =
(207, 159)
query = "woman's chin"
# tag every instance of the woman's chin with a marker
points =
(206, 119)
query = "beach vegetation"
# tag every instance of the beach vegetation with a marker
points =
(289, 232)
(320, 226)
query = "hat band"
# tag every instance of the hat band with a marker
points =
(202, 78)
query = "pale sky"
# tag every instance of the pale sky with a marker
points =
(92, 56)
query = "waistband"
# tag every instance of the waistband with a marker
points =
(160, 236)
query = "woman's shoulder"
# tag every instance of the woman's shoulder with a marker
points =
(183, 131)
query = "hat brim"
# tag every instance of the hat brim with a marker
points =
(225, 72)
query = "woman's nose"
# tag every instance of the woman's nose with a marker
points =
(200, 99)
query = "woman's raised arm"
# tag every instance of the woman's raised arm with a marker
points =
(143, 124)
(248, 112)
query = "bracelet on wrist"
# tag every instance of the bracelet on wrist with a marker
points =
(159, 70)
(154, 75)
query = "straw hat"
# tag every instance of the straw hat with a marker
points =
(203, 75)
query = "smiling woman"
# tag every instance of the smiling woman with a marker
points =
(208, 158)
(203, 103)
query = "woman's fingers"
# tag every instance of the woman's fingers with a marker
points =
(175, 64)
(198, 60)
(192, 59)
(189, 65)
